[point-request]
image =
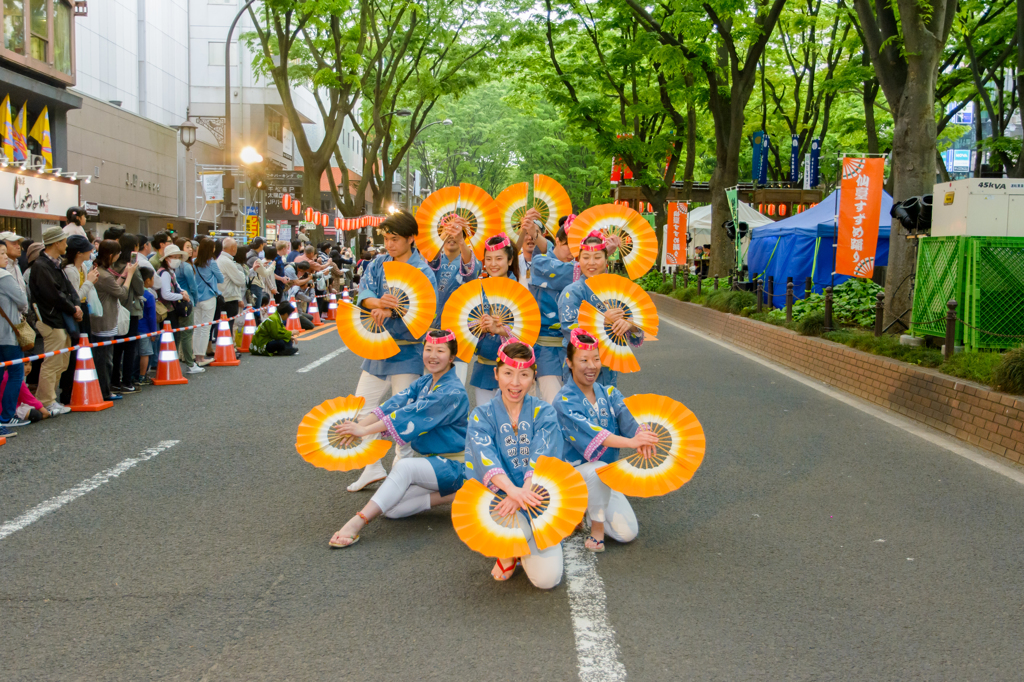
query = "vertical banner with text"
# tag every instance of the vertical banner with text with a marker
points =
(860, 204)
(674, 252)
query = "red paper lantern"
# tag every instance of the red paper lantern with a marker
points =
(309, 214)
(286, 201)
(337, 224)
(296, 207)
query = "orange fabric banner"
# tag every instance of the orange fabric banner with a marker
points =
(860, 205)
(675, 234)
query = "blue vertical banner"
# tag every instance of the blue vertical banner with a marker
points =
(755, 162)
(815, 161)
(794, 159)
(763, 178)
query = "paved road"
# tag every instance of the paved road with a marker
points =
(815, 543)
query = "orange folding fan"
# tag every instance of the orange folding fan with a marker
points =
(615, 351)
(362, 335)
(677, 455)
(564, 495)
(511, 204)
(479, 209)
(430, 217)
(639, 244)
(417, 298)
(551, 199)
(498, 296)
(319, 445)
(616, 291)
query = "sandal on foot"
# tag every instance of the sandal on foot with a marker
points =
(599, 543)
(506, 571)
(339, 545)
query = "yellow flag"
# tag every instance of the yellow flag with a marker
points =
(41, 134)
(20, 140)
(7, 128)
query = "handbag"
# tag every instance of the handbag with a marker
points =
(23, 331)
(95, 305)
(124, 320)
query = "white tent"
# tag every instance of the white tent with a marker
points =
(699, 223)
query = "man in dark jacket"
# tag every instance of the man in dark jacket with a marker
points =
(56, 305)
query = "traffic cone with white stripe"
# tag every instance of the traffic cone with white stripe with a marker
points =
(248, 329)
(293, 324)
(314, 311)
(332, 307)
(86, 395)
(344, 295)
(168, 369)
(224, 354)
(271, 308)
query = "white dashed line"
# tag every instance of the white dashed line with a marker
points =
(89, 484)
(596, 651)
(327, 358)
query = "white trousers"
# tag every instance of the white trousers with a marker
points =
(201, 336)
(544, 569)
(462, 371)
(406, 490)
(484, 395)
(547, 388)
(373, 390)
(608, 506)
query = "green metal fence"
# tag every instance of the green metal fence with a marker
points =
(985, 275)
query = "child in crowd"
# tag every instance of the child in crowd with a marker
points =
(147, 325)
(28, 409)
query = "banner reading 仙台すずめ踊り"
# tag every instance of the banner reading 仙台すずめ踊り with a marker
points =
(860, 203)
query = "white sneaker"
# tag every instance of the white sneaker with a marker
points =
(56, 408)
(195, 369)
(371, 474)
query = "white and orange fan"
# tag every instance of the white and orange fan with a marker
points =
(616, 291)
(551, 199)
(614, 350)
(499, 297)
(362, 335)
(677, 456)
(511, 205)
(417, 300)
(430, 217)
(638, 243)
(469, 202)
(319, 443)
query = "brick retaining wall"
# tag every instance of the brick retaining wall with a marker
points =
(990, 420)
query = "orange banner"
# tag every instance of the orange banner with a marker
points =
(675, 234)
(860, 205)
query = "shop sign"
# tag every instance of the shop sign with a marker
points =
(213, 187)
(92, 209)
(32, 195)
(132, 181)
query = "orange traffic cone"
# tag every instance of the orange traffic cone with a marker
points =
(224, 355)
(3, 440)
(293, 324)
(332, 308)
(168, 370)
(344, 295)
(314, 311)
(248, 329)
(271, 308)
(86, 395)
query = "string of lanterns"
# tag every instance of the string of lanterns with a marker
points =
(323, 219)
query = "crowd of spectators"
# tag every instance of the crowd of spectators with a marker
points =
(116, 285)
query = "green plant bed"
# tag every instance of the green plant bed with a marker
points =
(888, 346)
(1008, 375)
(976, 367)
(853, 303)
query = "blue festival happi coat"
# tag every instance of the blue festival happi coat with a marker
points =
(487, 349)
(569, 313)
(450, 275)
(432, 420)
(587, 425)
(494, 447)
(548, 277)
(409, 359)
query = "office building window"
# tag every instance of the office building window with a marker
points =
(14, 25)
(38, 22)
(274, 125)
(62, 36)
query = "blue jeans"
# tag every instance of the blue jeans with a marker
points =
(15, 378)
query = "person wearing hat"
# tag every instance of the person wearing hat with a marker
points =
(57, 308)
(76, 222)
(13, 243)
(79, 251)
(31, 254)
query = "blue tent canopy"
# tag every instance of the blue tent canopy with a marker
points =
(802, 246)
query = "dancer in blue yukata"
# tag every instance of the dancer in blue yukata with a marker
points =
(596, 423)
(453, 266)
(500, 260)
(504, 440)
(594, 252)
(399, 371)
(429, 417)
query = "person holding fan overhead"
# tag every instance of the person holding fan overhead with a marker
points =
(399, 371)
(500, 260)
(453, 266)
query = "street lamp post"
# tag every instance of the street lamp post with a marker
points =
(227, 218)
(408, 159)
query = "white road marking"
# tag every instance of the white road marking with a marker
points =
(89, 484)
(934, 437)
(596, 651)
(327, 358)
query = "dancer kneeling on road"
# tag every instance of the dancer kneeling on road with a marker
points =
(505, 438)
(596, 423)
(430, 416)
(271, 337)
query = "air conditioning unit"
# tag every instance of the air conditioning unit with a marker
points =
(979, 207)
(37, 160)
(81, 8)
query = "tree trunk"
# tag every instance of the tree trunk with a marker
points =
(870, 93)
(311, 186)
(914, 172)
(658, 201)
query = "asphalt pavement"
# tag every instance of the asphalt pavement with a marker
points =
(816, 542)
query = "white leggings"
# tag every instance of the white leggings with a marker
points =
(544, 569)
(546, 388)
(462, 371)
(484, 395)
(373, 389)
(406, 490)
(608, 506)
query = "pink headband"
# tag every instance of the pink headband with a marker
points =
(594, 247)
(449, 336)
(568, 222)
(511, 362)
(574, 339)
(500, 245)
